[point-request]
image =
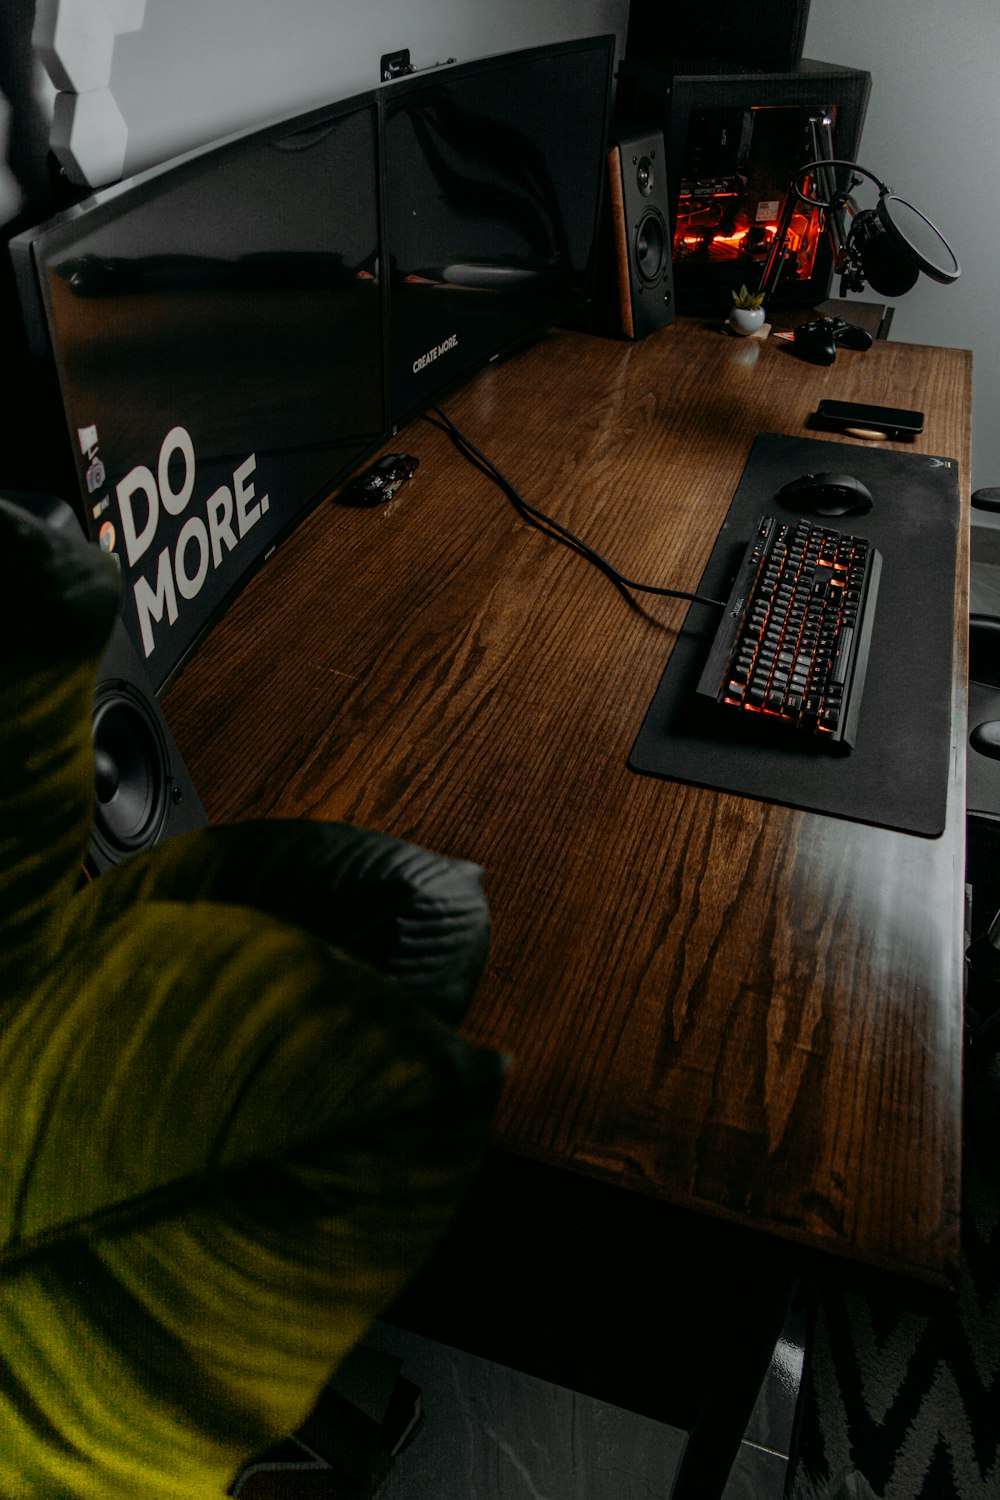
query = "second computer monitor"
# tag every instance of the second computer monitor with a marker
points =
(493, 173)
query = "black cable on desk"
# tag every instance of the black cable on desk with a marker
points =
(547, 523)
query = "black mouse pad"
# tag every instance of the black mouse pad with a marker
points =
(897, 774)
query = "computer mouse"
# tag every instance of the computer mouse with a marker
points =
(827, 495)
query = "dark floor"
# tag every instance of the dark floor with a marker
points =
(489, 1433)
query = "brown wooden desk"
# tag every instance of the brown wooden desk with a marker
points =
(744, 1010)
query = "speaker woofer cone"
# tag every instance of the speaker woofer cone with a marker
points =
(650, 247)
(132, 772)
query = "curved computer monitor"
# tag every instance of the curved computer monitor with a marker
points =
(209, 337)
(493, 177)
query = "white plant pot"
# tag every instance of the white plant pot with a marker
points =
(746, 320)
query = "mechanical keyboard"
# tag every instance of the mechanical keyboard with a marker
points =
(793, 642)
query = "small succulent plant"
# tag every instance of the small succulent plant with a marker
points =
(749, 300)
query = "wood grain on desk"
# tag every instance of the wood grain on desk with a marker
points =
(743, 1009)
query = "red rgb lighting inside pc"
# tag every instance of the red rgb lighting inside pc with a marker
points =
(736, 170)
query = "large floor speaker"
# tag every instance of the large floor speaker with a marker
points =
(144, 793)
(635, 287)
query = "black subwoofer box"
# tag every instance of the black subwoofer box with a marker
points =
(765, 36)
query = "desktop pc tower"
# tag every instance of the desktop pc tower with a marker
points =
(733, 141)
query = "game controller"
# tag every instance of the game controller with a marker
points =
(817, 341)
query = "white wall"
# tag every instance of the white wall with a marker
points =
(200, 68)
(933, 133)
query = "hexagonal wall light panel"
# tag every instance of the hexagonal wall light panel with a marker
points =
(125, 15)
(74, 40)
(89, 137)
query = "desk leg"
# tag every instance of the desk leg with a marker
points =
(714, 1441)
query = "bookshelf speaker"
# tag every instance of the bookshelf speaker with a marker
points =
(634, 293)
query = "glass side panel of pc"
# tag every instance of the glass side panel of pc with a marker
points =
(212, 334)
(493, 174)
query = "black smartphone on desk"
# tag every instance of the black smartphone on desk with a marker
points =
(861, 420)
